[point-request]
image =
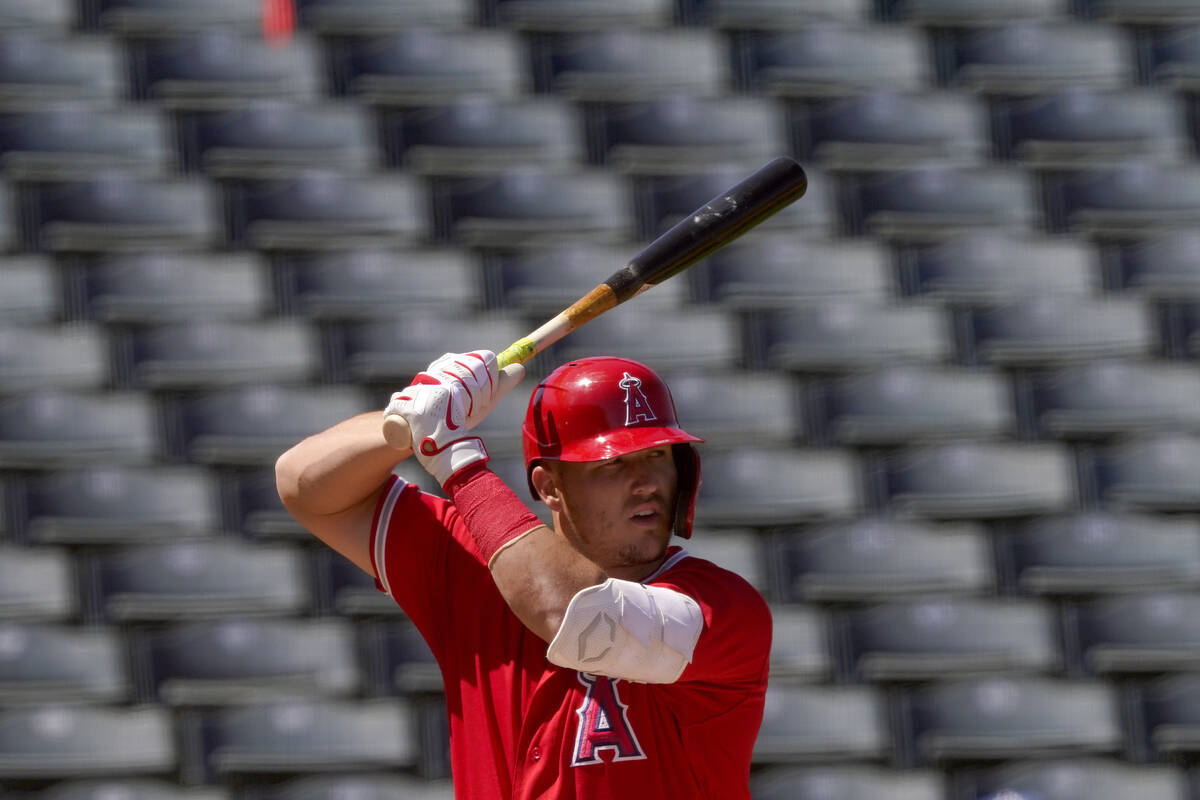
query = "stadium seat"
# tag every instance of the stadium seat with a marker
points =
(882, 129)
(38, 68)
(983, 267)
(1188, 335)
(1004, 718)
(53, 742)
(128, 789)
(1030, 56)
(1038, 330)
(800, 645)
(253, 507)
(737, 408)
(686, 338)
(477, 134)
(297, 737)
(1097, 552)
(1141, 632)
(529, 207)
(1141, 12)
(321, 208)
(1081, 126)
(777, 486)
(420, 65)
(252, 425)
(1169, 713)
(966, 13)
(832, 60)
(566, 15)
(29, 290)
(52, 356)
(933, 202)
(543, 280)
(1156, 472)
(168, 286)
(54, 16)
(839, 335)
(939, 637)
(73, 138)
(740, 15)
(207, 353)
(57, 663)
(194, 578)
(1073, 778)
(895, 405)
(967, 479)
(1165, 266)
(266, 137)
(118, 210)
(860, 781)
(163, 17)
(53, 428)
(1173, 57)
(1105, 398)
(628, 64)
(875, 558)
(393, 350)
(1128, 198)
(768, 271)
(684, 133)
(822, 724)
(219, 67)
(37, 584)
(108, 503)
(233, 661)
(405, 663)
(354, 17)
(738, 550)
(360, 786)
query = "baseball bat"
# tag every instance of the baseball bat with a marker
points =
(710, 227)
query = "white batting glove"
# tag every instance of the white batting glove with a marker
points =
(445, 402)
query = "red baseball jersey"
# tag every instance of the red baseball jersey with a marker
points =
(523, 728)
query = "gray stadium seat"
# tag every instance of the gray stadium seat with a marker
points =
(252, 506)
(1098, 552)
(875, 558)
(858, 781)
(687, 338)
(822, 724)
(39, 67)
(777, 486)
(1036, 330)
(1140, 632)
(350, 592)
(832, 60)
(966, 13)
(732, 408)
(1141, 12)
(1156, 472)
(352, 17)
(59, 356)
(53, 428)
(320, 208)
(405, 664)
(1166, 266)
(1105, 398)
(939, 637)
(57, 663)
(800, 645)
(360, 786)
(888, 129)
(1173, 56)
(73, 138)
(1030, 56)
(1169, 709)
(53, 742)
(480, 133)
(266, 137)
(161, 17)
(1075, 779)
(168, 286)
(44, 15)
(1188, 333)
(895, 405)
(198, 578)
(235, 661)
(29, 290)
(1125, 199)
(1004, 718)
(37, 584)
(567, 15)
(128, 789)
(766, 14)
(1081, 126)
(630, 64)
(982, 267)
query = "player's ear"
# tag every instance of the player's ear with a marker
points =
(545, 483)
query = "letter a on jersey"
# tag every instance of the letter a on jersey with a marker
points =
(637, 407)
(603, 724)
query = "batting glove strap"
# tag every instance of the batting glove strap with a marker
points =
(437, 416)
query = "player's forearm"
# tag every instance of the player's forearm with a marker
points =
(337, 468)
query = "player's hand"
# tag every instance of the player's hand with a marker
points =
(445, 402)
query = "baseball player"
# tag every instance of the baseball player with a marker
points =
(588, 660)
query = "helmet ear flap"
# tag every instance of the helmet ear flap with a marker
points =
(687, 468)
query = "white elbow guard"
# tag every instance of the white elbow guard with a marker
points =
(626, 630)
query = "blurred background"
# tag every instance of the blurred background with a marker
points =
(951, 396)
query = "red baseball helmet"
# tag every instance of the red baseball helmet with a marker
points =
(597, 408)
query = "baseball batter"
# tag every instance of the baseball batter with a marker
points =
(589, 660)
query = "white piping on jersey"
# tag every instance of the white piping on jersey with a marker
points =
(381, 529)
(666, 565)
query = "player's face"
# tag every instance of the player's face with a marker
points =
(618, 512)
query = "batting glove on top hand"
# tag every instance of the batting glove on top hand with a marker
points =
(445, 402)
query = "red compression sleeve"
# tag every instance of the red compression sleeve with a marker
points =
(493, 513)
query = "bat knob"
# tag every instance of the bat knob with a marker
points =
(396, 432)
